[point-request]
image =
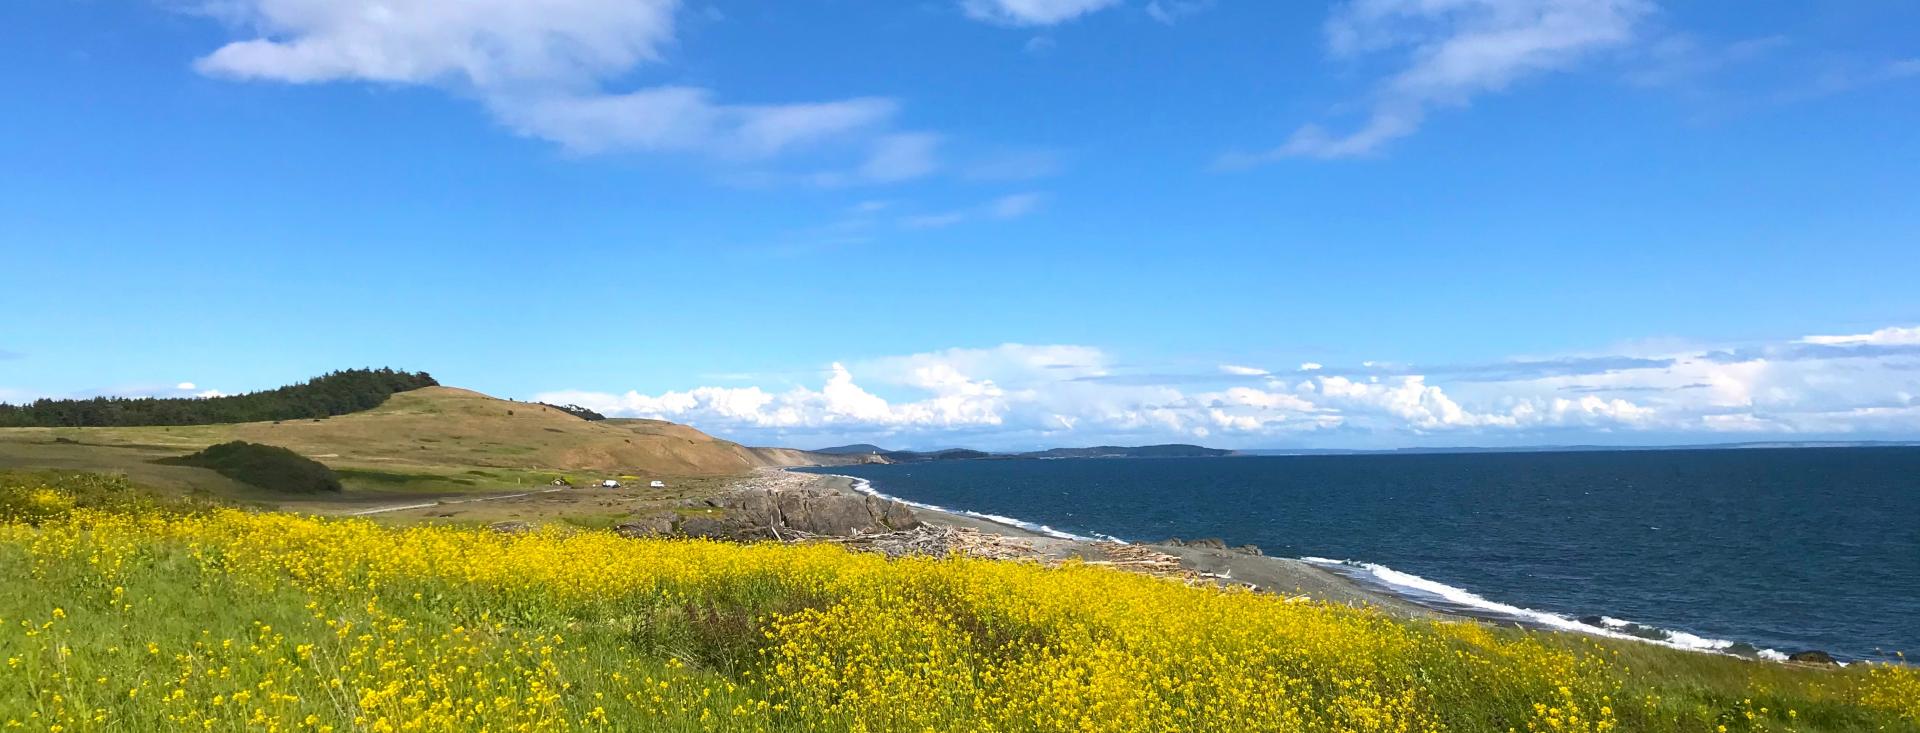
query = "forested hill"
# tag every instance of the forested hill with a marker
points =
(337, 393)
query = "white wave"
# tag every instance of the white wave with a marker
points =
(1610, 627)
(866, 487)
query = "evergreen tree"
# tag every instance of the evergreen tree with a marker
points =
(336, 393)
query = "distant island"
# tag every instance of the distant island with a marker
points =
(876, 454)
(967, 454)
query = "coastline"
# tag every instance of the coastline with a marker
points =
(1276, 575)
(1318, 579)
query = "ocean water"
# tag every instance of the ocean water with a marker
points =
(1756, 551)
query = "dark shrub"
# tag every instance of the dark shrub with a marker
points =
(265, 466)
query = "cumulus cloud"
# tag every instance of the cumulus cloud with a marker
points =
(1448, 52)
(543, 70)
(1032, 12)
(1014, 395)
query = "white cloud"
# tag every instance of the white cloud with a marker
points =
(1032, 12)
(1453, 51)
(1022, 395)
(542, 70)
(1310, 366)
(1885, 337)
(486, 44)
(184, 386)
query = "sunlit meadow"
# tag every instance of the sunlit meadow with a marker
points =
(130, 615)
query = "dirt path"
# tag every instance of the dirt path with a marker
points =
(431, 504)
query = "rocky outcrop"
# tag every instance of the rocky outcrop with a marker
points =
(1812, 656)
(1204, 543)
(657, 525)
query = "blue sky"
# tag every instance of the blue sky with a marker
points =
(1002, 223)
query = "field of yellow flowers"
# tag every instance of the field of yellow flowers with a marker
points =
(166, 619)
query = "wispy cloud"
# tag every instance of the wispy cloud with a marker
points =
(546, 70)
(1883, 337)
(6, 355)
(1171, 11)
(933, 221)
(1449, 52)
(1014, 165)
(1018, 394)
(1011, 206)
(1032, 12)
(1016, 205)
(1843, 80)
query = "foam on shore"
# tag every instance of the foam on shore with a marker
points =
(866, 487)
(1462, 601)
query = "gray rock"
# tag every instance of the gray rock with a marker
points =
(1211, 543)
(715, 528)
(761, 513)
(511, 527)
(836, 515)
(652, 526)
(892, 514)
(1253, 550)
(1812, 656)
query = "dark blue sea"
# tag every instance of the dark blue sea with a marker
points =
(1753, 551)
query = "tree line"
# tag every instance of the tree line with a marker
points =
(335, 393)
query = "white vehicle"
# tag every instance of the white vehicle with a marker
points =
(609, 484)
(657, 485)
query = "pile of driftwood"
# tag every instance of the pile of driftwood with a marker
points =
(937, 541)
(932, 541)
(1138, 559)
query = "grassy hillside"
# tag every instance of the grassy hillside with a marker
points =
(223, 620)
(430, 440)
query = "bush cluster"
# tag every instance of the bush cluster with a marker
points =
(265, 466)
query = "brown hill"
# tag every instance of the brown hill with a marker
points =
(438, 429)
